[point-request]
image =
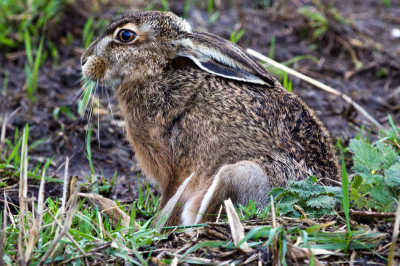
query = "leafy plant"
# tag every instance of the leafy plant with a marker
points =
(308, 196)
(321, 17)
(251, 211)
(376, 175)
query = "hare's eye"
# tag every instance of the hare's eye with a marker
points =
(126, 36)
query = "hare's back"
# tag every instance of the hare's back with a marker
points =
(227, 121)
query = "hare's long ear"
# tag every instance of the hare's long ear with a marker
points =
(223, 58)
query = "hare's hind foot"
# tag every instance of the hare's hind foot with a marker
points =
(241, 182)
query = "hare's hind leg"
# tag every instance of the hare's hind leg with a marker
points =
(242, 182)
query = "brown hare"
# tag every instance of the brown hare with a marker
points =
(206, 121)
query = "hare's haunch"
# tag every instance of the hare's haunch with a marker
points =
(197, 105)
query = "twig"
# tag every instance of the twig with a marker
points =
(22, 196)
(219, 214)
(371, 214)
(65, 186)
(236, 226)
(299, 209)
(40, 201)
(394, 236)
(315, 83)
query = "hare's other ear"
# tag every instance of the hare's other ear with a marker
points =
(223, 58)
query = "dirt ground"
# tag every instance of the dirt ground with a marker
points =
(359, 58)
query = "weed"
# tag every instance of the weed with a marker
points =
(282, 75)
(264, 3)
(83, 103)
(308, 196)
(153, 3)
(165, 5)
(87, 34)
(382, 73)
(392, 136)
(186, 9)
(386, 3)
(63, 110)
(286, 82)
(20, 17)
(54, 52)
(319, 18)
(272, 48)
(147, 203)
(5, 82)
(251, 211)
(236, 36)
(11, 161)
(212, 15)
(376, 175)
(32, 68)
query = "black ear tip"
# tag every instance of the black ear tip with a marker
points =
(267, 78)
(270, 81)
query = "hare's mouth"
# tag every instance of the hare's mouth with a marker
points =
(93, 68)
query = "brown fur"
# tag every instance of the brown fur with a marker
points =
(182, 118)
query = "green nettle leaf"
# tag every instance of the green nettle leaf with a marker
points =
(373, 204)
(358, 200)
(286, 205)
(367, 178)
(365, 154)
(334, 191)
(359, 168)
(323, 201)
(389, 155)
(381, 194)
(306, 189)
(392, 176)
(313, 198)
(277, 193)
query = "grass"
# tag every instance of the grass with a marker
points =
(236, 36)
(32, 68)
(20, 17)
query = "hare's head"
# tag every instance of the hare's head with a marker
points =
(137, 47)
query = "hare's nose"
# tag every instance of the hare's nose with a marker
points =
(84, 60)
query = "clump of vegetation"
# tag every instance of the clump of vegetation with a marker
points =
(307, 197)
(376, 181)
(18, 18)
(321, 18)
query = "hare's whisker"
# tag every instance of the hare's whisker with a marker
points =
(109, 105)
